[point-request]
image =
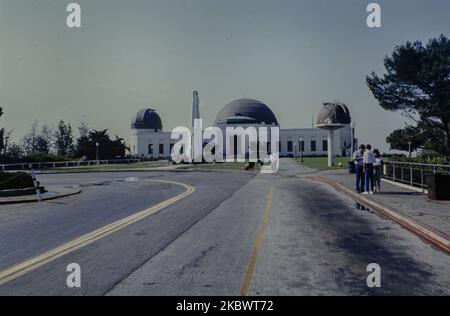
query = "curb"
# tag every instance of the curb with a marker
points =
(109, 171)
(44, 198)
(20, 192)
(180, 170)
(436, 237)
(255, 172)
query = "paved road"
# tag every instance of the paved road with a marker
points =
(28, 230)
(312, 239)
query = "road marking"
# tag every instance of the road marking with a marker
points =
(258, 243)
(29, 265)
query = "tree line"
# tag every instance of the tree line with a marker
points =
(417, 84)
(50, 143)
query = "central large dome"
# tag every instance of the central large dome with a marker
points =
(246, 111)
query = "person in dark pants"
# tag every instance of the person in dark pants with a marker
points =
(358, 160)
(378, 170)
(369, 163)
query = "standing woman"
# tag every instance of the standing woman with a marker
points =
(378, 170)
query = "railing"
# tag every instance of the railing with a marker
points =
(413, 174)
(64, 164)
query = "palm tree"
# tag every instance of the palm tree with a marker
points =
(96, 136)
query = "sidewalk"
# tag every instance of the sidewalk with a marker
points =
(433, 216)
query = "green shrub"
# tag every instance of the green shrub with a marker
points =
(437, 160)
(15, 180)
(428, 159)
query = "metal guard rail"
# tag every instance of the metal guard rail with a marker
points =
(410, 173)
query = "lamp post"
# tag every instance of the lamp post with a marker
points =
(353, 139)
(409, 148)
(295, 151)
(301, 149)
(96, 151)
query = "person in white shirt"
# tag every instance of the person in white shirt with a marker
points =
(378, 167)
(357, 159)
(369, 163)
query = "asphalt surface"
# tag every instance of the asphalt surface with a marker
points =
(315, 241)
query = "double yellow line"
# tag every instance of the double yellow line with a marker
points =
(29, 265)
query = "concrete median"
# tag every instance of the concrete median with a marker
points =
(50, 194)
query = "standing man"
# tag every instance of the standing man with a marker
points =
(358, 160)
(369, 163)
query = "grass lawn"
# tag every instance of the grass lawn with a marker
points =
(94, 168)
(321, 163)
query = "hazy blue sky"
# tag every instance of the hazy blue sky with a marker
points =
(291, 54)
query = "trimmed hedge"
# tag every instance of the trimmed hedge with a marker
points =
(15, 180)
(43, 157)
(426, 159)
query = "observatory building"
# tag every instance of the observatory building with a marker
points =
(147, 136)
(333, 116)
(150, 141)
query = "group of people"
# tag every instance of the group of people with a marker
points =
(368, 169)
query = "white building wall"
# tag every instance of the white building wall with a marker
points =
(308, 135)
(224, 126)
(141, 139)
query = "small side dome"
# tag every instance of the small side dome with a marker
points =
(147, 119)
(333, 114)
